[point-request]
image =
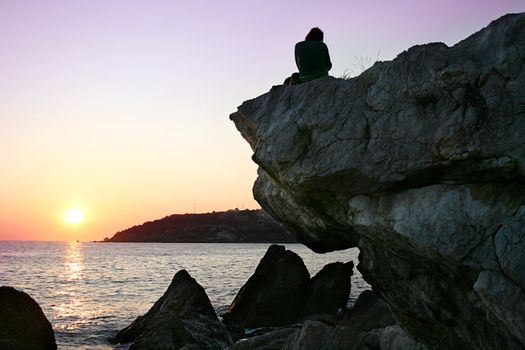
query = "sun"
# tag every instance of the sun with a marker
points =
(74, 215)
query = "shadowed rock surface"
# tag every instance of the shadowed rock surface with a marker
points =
(329, 289)
(280, 291)
(315, 335)
(274, 340)
(420, 162)
(23, 325)
(369, 325)
(183, 318)
(369, 312)
(274, 294)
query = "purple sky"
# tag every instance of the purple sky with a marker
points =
(122, 107)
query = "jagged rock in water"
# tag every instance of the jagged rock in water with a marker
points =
(274, 294)
(280, 291)
(23, 325)
(329, 289)
(183, 318)
(420, 162)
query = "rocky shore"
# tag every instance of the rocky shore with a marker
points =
(279, 307)
(269, 311)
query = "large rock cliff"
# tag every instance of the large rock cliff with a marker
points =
(420, 162)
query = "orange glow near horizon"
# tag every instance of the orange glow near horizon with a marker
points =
(111, 202)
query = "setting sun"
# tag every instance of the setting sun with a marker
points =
(74, 216)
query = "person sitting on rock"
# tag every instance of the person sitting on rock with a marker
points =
(312, 58)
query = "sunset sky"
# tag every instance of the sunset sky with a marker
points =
(120, 108)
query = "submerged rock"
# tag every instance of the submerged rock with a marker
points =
(183, 318)
(420, 162)
(280, 292)
(23, 325)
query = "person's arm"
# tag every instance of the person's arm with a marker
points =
(296, 59)
(328, 62)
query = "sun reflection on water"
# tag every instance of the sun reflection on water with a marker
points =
(73, 262)
(70, 307)
(89, 291)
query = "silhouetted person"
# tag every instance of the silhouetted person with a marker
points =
(312, 58)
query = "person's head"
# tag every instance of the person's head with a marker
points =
(315, 34)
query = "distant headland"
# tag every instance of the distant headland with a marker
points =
(232, 226)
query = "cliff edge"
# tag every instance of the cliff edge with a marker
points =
(419, 162)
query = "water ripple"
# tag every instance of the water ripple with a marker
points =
(91, 290)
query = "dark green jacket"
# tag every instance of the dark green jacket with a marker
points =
(312, 59)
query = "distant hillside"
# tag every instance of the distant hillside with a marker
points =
(232, 226)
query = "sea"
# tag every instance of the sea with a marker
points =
(89, 291)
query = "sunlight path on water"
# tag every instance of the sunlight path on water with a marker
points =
(91, 290)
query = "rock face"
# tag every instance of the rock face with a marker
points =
(280, 291)
(420, 162)
(183, 318)
(23, 325)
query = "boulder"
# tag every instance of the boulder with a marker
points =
(369, 325)
(315, 335)
(23, 325)
(394, 338)
(419, 162)
(329, 289)
(183, 318)
(368, 312)
(273, 295)
(280, 292)
(388, 338)
(273, 340)
(360, 328)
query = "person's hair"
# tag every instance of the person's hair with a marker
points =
(315, 34)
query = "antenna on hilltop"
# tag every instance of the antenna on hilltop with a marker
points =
(194, 210)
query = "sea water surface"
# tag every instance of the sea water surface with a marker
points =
(89, 291)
